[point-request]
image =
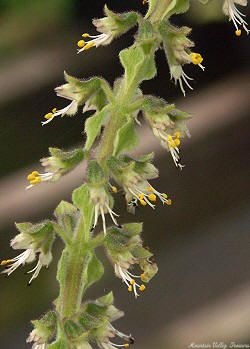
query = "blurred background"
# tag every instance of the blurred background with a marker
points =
(202, 291)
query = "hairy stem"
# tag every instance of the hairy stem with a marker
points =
(75, 258)
(157, 9)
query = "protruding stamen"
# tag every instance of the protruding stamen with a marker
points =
(81, 43)
(142, 288)
(143, 202)
(152, 197)
(6, 262)
(113, 189)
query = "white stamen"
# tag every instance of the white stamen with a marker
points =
(36, 270)
(18, 261)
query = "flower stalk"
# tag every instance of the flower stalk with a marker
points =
(111, 134)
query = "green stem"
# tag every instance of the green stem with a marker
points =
(71, 272)
(157, 10)
(105, 148)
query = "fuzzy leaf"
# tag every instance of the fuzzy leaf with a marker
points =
(80, 198)
(126, 138)
(67, 216)
(133, 228)
(93, 126)
(108, 299)
(65, 209)
(95, 271)
(137, 64)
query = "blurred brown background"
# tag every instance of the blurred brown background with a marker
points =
(202, 242)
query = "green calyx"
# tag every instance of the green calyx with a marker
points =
(115, 24)
(125, 249)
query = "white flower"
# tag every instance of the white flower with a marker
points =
(235, 15)
(140, 191)
(28, 256)
(25, 241)
(36, 177)
(177, 73)
(112, 332)
(129, 279)
(102, 202)
(38, 341)
(95, 41)
(70, 109)
(171, 143)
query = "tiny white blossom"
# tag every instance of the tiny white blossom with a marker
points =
(36, 177)
(102, 202)
(70, 109)
(95, 41)
(129, 279)
(177, 73)
(38, 341)
(23, 241)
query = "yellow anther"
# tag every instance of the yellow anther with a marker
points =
(168, 202)
(132, 282)
(152, 197)
(85, 35)
(143, 202)
(149, 189)
(81, 43)
(54, 110)
(177, 142)
(130, 288)
(36, 180)
(238, 32)
(6, 261)
(141, 196)
(48, 116)
(177, 134)
(114, 189)
(142, 288)
(169, 138)
(89, 45)
(30, 177)
(126, 345)
(171, 143)
(164, 195)
(196, 58)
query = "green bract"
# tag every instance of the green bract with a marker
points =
(115, 24)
